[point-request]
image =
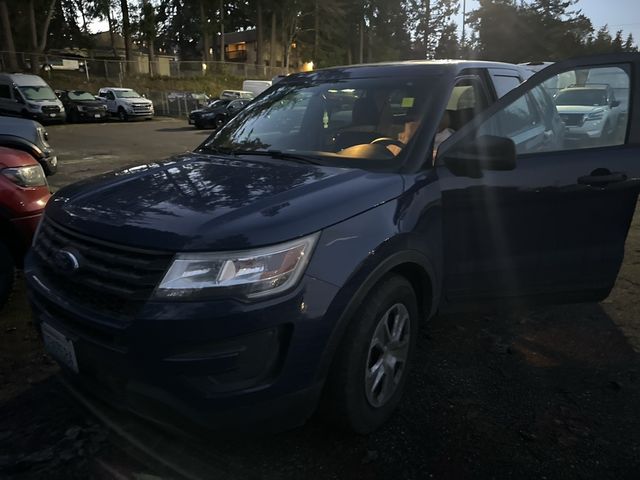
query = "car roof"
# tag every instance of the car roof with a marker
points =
(454, 66)
(25, 79)
(118, 89)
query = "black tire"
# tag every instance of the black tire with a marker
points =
(7, 274)
(347, 397)
(122, 115)
(219, 121)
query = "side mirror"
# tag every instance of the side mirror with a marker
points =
(19, 100)
(615, 103)
(486, 152)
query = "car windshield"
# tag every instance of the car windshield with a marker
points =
(217, 104)
(127, 94)
(80, 95)
(362, 120)
(38, 93)
(582, 97)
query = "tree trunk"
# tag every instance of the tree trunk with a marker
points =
(272, 47)
(112, 34)
(361, 46)
(151, 43)
(285, 43)
(222, 59)
(12, 63)
(427, 26)
(206, 34)
(126, 33)
(259, 56)
(35, 58)
(316, 30)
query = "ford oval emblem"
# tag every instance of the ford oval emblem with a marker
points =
(66, 262)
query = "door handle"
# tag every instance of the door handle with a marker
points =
(602, 177)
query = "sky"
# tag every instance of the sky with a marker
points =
(618, 14)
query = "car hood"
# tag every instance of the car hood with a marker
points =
(135, 100)
(87, 103)
(583, 109)
(198, 202)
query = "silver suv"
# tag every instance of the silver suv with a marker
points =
(589, 112)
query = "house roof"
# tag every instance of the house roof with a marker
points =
(247, 36)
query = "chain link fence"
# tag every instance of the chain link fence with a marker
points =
(116, 71)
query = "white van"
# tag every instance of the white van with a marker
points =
(29, 96)
(256, 86)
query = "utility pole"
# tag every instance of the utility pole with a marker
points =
(464, 23)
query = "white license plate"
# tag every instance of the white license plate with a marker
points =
(52, 114)
(59, 346)
(97, 115)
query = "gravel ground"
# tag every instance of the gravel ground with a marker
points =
(540, 393)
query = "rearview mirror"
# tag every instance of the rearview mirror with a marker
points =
(486, 152)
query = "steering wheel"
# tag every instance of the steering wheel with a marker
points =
(388, 141)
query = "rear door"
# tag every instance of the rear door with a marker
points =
(554, 227)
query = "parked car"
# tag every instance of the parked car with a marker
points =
(589, 112)
(82, 106)
(217, 113)
(30, 137)
(293, 257)
(256, 86)
(233, 94)
(126, 103)
(23, 195)
(29, 96)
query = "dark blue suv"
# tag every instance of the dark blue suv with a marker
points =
(290, 260)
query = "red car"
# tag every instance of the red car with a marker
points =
(24, 192)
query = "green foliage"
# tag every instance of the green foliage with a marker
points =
(333, 32)
(539, 30)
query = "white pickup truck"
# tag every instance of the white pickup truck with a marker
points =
(126, 103)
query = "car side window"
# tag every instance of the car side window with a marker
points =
(110, 96)
(5, 91)
(504, 84)
(573, 110)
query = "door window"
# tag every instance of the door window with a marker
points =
(585, 108)
(504, 84)
(110, 96)
(5, 91)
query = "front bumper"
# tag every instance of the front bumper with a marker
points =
(93, 116)
(218, 364)
(50, 117)
(583, 133)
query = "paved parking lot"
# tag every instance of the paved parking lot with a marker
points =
(91, 149)
(539, 393)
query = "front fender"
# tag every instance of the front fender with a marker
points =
(356, 254)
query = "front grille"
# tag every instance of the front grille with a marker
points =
(141, 107)
(111, 279)
(50, 109)
(572, 119)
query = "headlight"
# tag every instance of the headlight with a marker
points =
(31, 176)
(246, 274)
(597, 115)
(104, 107)
(33, 106)
(80, 108)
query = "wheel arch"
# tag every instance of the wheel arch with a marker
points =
(410, 264)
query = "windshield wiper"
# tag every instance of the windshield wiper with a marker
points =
(279, 154)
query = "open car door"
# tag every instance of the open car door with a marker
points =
(539, 190)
